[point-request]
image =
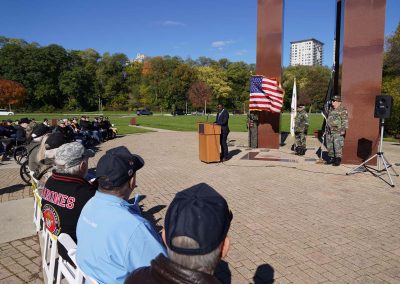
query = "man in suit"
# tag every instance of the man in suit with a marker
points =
(222, 120)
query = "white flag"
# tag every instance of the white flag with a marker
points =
(293, 107)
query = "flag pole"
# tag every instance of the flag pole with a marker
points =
(293, 107)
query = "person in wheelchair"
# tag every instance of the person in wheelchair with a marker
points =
(41, 155)
(17, 137)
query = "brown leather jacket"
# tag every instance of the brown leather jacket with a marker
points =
(164, 271)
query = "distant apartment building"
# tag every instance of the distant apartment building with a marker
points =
(306, 52)
(139, 57)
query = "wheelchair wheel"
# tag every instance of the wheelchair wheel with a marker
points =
(24, 173)
(20, 154)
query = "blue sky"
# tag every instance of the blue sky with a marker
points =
(212, 28)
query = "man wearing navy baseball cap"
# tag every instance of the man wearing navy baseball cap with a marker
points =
(196, 227)
(113, 238)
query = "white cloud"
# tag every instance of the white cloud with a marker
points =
(172, 24)
(220, 44)
(240, 52)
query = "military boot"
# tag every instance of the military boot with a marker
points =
(297, 150)
(330, 161)
(303, 151)
(337, 162)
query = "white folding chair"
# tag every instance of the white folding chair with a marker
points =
(49, 255)
(37, 203)
(65, 269)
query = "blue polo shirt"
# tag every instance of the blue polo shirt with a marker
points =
(113, 239)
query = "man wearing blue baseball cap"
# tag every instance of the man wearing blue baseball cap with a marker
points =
(196, 227)
(113, 238)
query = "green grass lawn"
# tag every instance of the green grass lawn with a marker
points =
(237, 123)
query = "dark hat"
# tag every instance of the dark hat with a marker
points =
(55, 140)
(39, 130)
(200, 213)
(117, 166)
(24, 120)
(336, 98)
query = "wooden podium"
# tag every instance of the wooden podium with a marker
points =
(209, 146)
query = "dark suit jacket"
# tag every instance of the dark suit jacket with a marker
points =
(222, 119)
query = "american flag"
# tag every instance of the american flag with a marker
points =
(265, 94)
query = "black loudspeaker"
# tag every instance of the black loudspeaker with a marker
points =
(383, 106)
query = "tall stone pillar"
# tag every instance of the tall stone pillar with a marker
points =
(363, 43)
(269, 64)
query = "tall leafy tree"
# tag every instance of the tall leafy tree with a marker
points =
(391, 79)
(11, 93)
(200, 94)
(391, 61)
(111, 76)
(312, 83)
(238, 76)
(216, 80)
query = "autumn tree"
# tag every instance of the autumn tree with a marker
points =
(11, 93)
(200, 94)
(216, 79)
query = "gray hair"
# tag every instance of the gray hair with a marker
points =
(205, 263)
(69, 171)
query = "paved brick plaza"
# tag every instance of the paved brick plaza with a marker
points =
(294, 221)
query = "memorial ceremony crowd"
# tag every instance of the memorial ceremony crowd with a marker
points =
(115, 244)
(28, 131)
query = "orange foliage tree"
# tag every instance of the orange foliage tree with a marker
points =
(11, 93)
(199, 93)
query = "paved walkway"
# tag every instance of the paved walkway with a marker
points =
(294, 222)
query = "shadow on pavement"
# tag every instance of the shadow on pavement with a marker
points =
(12, 188)
(234, 152)
(264, 274)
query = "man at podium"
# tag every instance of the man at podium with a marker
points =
(222, 120)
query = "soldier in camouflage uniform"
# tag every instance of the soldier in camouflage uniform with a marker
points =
(252, 125)
(300, 129)
(337, 123)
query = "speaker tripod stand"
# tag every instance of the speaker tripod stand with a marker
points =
(382, 161)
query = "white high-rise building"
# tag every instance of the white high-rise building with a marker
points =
(139, 58)
(306, 52)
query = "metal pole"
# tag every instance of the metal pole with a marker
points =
(382, 122)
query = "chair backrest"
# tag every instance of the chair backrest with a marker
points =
(37, 203)
(49, 255)
(65, 269)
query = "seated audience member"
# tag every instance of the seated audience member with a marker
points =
(196, 227)
(66, 191)
(18, 137)
(41, 157)
(65, 129)
(113, 238)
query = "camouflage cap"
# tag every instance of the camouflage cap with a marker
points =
(71, 154)
(337, 98)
